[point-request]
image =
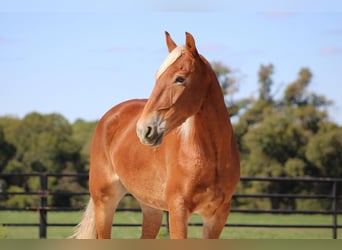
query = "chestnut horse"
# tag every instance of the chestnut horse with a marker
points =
(175, 151)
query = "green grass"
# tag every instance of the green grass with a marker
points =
(194, 232)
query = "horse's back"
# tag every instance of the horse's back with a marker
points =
(115, 121)
(125, 110)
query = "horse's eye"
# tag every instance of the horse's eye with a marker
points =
(179, 80)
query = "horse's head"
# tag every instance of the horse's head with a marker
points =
(178, 94)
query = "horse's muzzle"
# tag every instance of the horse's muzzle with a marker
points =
(150, 133)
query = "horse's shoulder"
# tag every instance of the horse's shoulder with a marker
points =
(119, 118)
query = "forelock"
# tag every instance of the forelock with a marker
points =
(170, 59)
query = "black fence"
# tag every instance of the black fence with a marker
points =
(334, 197)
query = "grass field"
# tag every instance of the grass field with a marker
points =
(194, 232)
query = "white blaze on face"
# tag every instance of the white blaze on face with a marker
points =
(170, 59)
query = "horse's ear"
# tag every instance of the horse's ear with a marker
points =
(169, 42)
(190, 43)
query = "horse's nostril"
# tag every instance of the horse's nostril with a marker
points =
(149, 132)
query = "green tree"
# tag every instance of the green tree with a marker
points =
(288, 137)
(7, 150)
(44, 143)
(255, 110)
(324, 150)
(82, 135)
(228, 80)
(295, 92)
(265, 82)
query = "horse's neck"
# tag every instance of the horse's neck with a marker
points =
(214, 112)
(210, 127)
(214, 105)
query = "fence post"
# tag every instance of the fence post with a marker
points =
(42, 206)
(167, 225)
(334, 208)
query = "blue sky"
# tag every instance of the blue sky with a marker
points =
(79, 59)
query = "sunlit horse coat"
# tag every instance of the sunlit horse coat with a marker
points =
(175, 151)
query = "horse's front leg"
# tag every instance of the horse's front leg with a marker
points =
(152, 219)
(214, 224)
(178, 219)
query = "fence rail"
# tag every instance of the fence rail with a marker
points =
(43, 208)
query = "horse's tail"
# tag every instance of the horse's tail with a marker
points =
(86, 228)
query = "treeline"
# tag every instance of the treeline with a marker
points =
(43, 143)
(288, 136)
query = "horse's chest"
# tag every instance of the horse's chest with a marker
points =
(143, 179)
